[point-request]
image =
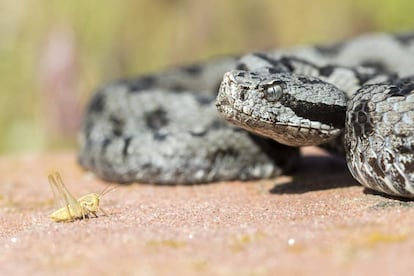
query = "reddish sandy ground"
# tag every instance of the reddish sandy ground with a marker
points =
(316, 222)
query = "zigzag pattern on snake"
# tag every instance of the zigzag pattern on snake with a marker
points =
(164, 128)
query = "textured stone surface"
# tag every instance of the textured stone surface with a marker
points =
(317, 222)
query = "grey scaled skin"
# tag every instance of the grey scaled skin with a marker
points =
(380, 137)
(164, 129)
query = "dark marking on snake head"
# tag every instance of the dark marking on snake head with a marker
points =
(117, 125)
(332, 115)
(241, 74)
(255, 76)
(156, 119)
(97, 103)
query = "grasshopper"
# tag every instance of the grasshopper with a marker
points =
(73, 208)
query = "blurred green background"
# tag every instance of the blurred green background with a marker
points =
(53, 54)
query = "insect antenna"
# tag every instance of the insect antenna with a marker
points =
(106, 190)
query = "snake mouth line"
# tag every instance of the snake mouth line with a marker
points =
(321, 128)
(241, 118)
(286, 133)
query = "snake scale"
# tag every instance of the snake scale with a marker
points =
(354, 97)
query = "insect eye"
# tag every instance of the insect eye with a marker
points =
(273, 93)
(87, 203)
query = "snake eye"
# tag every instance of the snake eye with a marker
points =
(273, 93)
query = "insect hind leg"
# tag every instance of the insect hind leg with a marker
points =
(103, 211)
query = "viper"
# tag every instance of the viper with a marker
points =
(354, 98)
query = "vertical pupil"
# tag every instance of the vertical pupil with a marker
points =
(273, 93)
(243, 95)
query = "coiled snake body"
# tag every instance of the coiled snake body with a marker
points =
(164, 128)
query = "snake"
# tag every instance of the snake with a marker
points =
(245, 117)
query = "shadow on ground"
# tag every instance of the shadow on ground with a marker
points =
(317, 173)
(400, 201)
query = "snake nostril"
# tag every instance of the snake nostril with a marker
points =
(222, 101)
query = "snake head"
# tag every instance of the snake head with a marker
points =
(292, 109)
